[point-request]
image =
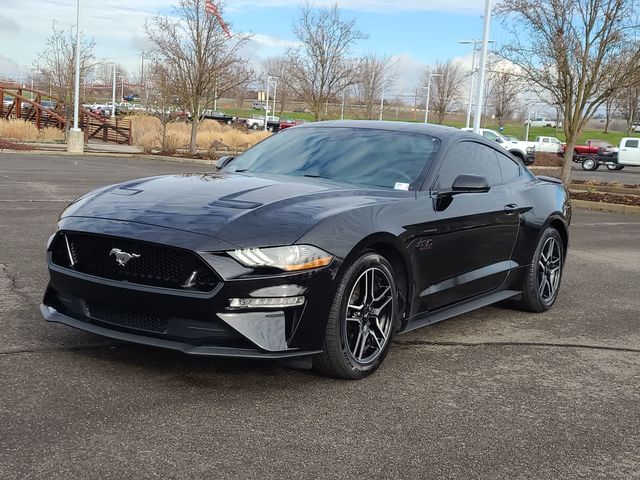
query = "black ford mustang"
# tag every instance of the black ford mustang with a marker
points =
(323, 241)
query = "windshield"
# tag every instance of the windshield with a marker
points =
(362, 156)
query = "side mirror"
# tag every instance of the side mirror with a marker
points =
(222, 161)
(499, 140)
(469, 184)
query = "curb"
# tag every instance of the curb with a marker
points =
(606, 207)
(143, 156)
(603, 188)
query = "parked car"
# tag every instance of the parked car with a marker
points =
(312, 244)
(132, 98)
(218, 116)
(260, 106)
(289, 122)
(636, 128)
(543, 122)
(592, 154)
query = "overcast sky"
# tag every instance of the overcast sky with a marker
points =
(415, 32)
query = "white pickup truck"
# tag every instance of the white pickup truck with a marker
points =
(519, 148)
(628, 154)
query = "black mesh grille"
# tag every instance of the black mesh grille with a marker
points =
(144, 263)
(137, 321)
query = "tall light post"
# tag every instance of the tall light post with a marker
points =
(267, 106)
(382, 99)
(275, 91)
(426, 107)
(472, 75)
(113, 92)
(75, 140)
(483, 65)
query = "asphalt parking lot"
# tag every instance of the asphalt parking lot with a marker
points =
(493, 394)
(628, 175)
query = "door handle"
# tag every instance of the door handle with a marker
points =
(511, 209)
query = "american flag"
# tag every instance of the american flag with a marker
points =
(212, 9)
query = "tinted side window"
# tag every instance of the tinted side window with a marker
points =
(510, 169)
(631, 143)
(472, 159)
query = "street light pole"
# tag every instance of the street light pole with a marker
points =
(382, 100)
(76, 101)
(113, 92)
(426, 109)
(266, 108)
(75, 138)
(275, 91)
(472, 76)
(483, 66)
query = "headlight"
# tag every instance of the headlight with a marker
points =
(289, 259)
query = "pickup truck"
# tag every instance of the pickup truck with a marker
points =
(543, 122)
(592, 154)
(218, 116)
(256, 122)
(626, 155)
(517, 148)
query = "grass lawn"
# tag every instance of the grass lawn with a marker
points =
(516, 130)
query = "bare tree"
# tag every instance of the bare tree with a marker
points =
(375, 75)
(321, 67)
(571, 49)
(205, 62)
(165, 97)
(58, 60)
(627, 103)
(103, 72)
(279, 67)
(445, 89)
(504, 90)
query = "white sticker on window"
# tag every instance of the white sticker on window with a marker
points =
(401, 186)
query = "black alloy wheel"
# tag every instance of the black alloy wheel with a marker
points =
(362, 319)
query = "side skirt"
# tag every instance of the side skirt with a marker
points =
(423, 320)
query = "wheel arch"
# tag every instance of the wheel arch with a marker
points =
(562, 229)
(390, 247)
(518, 154)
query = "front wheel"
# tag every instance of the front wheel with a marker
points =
(362, 319)
(542, 281)
(589, 164)
(254, 126)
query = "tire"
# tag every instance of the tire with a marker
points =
(228, 122)
(344, 337)
(535, 296)
(254, 126)
(590, 164)
(615, 167)
(270, 129)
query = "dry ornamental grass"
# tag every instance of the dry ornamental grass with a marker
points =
(147, 134)
(22, 131)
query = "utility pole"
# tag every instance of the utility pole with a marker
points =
(483, 66)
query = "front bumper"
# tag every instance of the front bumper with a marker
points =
(195, 322)
(51, 315)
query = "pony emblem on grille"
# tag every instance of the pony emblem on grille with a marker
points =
(122, 258)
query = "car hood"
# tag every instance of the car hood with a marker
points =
(245, 210)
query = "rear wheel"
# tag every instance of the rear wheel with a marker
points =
(362, 319)
(615, 167)
(542, 282)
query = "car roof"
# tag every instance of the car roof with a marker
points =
(439, 131)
